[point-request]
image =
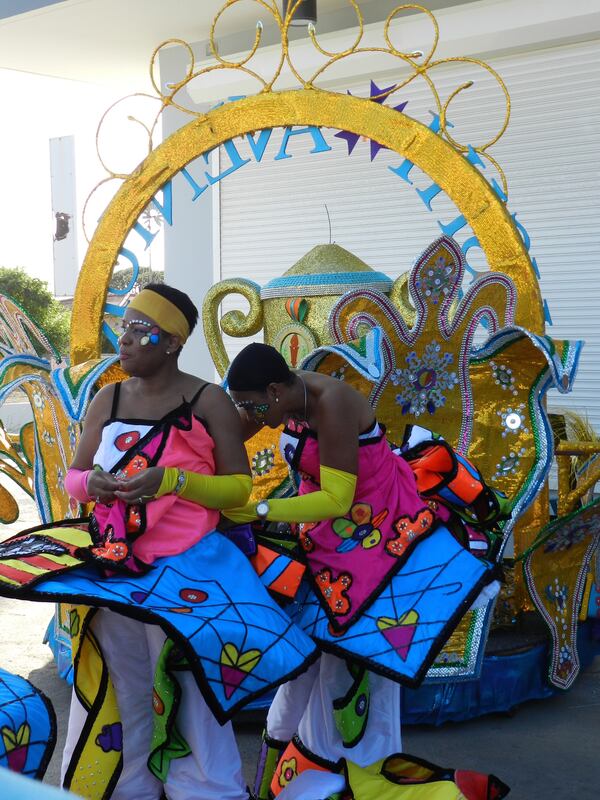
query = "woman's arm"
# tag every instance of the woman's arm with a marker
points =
(226, 429)
(97, 414)
(98, 484)
(230, 486)
(338, 415)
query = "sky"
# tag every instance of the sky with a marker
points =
(34, 110)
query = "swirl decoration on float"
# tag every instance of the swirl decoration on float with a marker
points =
(420, 65)
(287, 74)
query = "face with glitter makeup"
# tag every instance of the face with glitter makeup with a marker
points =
(143, 346)
(264, 408)
(277, 405)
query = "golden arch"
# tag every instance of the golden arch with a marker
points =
(466, 187)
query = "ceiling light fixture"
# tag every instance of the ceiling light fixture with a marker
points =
(305, 14)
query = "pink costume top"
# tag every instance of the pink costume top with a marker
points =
(166, 526)
(352, 558)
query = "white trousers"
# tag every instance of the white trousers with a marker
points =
(212, 771)
(305, 706)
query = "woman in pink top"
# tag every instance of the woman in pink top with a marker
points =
(180, 623)
(119, 417)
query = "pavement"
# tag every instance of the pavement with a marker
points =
(543, 749)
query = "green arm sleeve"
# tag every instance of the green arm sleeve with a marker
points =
(332, 500)
(211, 491)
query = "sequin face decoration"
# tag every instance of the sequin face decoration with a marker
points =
(153, 337)
(263, 462)
(509, 464)
(258, 411)
(436, 279)
(145, 332)
(513, 420)
(503, 377)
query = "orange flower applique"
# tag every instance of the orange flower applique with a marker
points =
(408, 530)
(334, 591)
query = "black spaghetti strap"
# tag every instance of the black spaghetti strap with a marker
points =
(115, 401)
(198, 393)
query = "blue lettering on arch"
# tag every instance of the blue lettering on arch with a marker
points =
(527, 242)
(236, 162)
(198, 190)
(321, 145)
(135, 271)
(166, 210)
(258, 148)
(146, 235)
(473, 241)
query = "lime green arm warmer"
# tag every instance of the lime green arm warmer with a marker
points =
(332, 500)
(210, 491)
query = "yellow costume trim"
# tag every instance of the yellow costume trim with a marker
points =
(165, 313)
(211, 491)
(92, 770)
(332, 500)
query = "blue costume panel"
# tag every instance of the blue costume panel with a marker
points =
(211, 603)
(27, 726)
(404, 628)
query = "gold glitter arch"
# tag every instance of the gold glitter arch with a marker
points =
(466, 187)
(417, 64)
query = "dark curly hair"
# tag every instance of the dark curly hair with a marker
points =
(255, 367)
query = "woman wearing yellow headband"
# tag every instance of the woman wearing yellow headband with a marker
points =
(159, 455)
(155, 326)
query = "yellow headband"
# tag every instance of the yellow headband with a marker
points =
(165, 313)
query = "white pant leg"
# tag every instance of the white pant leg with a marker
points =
(213, 770)
(125, 648)
(77, 718)
(317, 729)
(289, 704)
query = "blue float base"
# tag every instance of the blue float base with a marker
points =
(506, 681)
(60, 650)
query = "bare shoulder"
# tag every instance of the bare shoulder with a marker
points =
(334, 391)
(342, 405)
(214, 400)
(101, 403)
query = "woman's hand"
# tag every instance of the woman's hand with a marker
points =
(142, 487)
(101, 486)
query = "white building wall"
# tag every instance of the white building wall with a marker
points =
(190, 247)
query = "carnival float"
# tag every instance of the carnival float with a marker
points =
(459, 351)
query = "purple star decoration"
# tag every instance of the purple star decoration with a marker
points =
(377, 96)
